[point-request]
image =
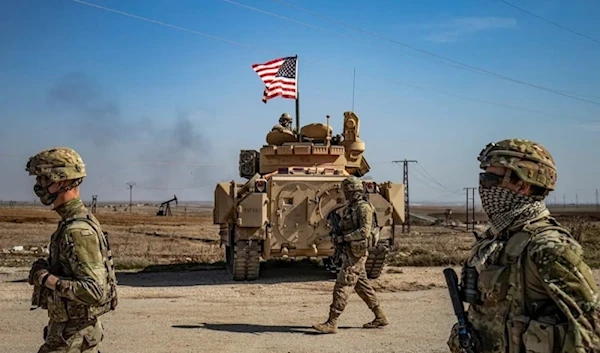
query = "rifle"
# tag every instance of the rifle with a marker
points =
(333, 218)
(465, 336)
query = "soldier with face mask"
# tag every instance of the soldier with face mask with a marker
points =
(356, 224)
(77, 280)
(527, 285)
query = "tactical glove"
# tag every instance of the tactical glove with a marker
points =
(39, 267)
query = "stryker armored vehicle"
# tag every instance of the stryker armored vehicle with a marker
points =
(294, 181)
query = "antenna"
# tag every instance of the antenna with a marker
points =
(353, 87)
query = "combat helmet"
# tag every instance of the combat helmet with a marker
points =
(57, 164)
(352, 184)
(531, 161)
(285, 118)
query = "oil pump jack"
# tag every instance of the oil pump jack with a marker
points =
(165, 207)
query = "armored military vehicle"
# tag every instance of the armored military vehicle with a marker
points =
(294, 181)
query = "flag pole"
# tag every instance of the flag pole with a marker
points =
(297, 102)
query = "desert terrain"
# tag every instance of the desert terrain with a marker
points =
(177, 296)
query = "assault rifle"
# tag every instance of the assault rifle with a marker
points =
(465, 336)
(333, 218)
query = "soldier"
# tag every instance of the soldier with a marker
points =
(285, 123)
(356, 224)
(78, 278)
(527, 284)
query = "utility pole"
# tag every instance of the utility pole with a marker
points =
(597, 200)
(94, 202)
(130, 185)
(577, 198)
(406, 223)
(472, 198)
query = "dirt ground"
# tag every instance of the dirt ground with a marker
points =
(204, 311)
(163, 308)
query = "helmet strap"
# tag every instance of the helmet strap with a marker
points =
(507, 175)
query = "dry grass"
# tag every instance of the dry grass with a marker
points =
(138, 240)
(431, 246)
(188, 239)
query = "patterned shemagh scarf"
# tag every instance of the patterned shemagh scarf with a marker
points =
(505, 207)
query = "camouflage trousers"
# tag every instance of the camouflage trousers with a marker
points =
(352, 275)
(74, 336)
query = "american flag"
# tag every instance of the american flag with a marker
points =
(279, 76)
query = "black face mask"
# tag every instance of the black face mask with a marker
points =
(46, 197)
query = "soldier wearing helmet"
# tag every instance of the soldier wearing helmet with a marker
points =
(77, 283)
(525, 280)
(356, 226)
(285, 124)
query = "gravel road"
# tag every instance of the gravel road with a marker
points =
(204, 311)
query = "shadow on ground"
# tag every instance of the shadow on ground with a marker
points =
(203, 274)
(255, 329)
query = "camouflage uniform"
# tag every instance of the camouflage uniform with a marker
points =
(528, 287)
(356, 225)
(285, 124)
(79, 257)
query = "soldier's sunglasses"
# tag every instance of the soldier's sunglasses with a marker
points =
(487, 180)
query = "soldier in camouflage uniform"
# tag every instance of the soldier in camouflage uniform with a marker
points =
(285, 123)
(356, 225)
(77, 281)
(525, 280)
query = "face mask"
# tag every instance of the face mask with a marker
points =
(504, 207)
(46, 197)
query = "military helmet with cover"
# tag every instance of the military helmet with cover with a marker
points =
(352, 184)
(57, 164)
(531, 161)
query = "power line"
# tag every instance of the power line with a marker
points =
(473, 68)
(406, 223)
(433, 179)
(265, 50)
(501, 105)
(426, 181)
(472, 198)
(550, 22)
(164, 24)
(130, 185)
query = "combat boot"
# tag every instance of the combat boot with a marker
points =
(380, 319)
(329, 326)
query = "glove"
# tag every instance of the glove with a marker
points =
(454, 343)
(453, 340)
(39, 268)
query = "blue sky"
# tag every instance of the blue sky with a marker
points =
(170, 109)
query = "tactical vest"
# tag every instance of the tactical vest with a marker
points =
(503, 320)
(61, 309)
